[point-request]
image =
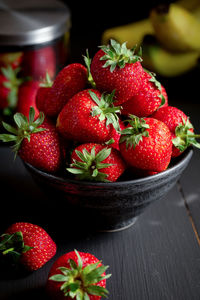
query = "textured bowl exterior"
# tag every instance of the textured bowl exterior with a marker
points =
(112, 206)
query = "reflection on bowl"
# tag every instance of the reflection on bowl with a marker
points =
(111, 206)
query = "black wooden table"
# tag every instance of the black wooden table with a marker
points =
(157, 258)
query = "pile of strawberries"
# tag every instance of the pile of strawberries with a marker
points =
(101, 120)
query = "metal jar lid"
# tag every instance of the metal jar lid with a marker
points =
(32, 22)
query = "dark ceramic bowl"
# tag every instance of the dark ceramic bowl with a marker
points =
(111, 206)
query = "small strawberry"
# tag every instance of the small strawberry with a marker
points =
(9, 86)
(180, 127)
(69, 81)
(88, 116)
(146, 144)
(77, 275)
(36, 63)
(13, 59)
(35, 140)
(43, 93)
(150, 97)
(27, 97)
(114, 67)
(28, 244)
(96, 162)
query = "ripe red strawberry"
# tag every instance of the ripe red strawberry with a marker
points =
(37, 62)
(150, 97)
(114, 67)
(115, 135)
(88, 116)
(13, 59)
(77, 275)
(43, 93)
(28, 244)
(27, 97)
(9, 85)
(180, 127)
(96, 162)
(69, 81)
(146, 144)
(36, 141)
(4, 92)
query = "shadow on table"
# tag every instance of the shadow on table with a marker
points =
(31, 294)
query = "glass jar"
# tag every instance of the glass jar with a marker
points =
(34, 40)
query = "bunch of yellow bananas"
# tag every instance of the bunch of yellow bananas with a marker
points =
(170, 37)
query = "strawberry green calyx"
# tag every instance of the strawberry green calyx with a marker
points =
(13, 245)
(105, 109)
(118, 55)
(184, 136)
(12, 83)
(79, 282)
(88, 61)
(89, 165)
(134, 133)
(24, 128)
(47, 81)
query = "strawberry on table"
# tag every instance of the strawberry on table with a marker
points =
(180, 127)
(114, 67)
(96, 162)
(77, 275)
(88, 116)
(27, 244)
(146, 144)
(27, 97)
(150, 97)
(36, 141)
(69, 81)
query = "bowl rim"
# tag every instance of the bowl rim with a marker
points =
(186, 156)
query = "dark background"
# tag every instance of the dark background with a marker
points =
(91, 18)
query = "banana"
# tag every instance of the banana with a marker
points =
(176, 28)
(188, 4)
(132, 33)
(196, 13)
(167, 64)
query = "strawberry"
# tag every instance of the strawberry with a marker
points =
(43, 93)
(150, 97)
(35, 140)
(4, 92)
(27, 97)
(69, 81)
(28, 244)
(180, 127)
(114, 67)
(96, 162)
(146, 144)
(13, 59)
(88, 116)
(77, 275)
(37, 62)
(115, 135)
(9, 85)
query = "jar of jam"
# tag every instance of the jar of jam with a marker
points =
(34, 43)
